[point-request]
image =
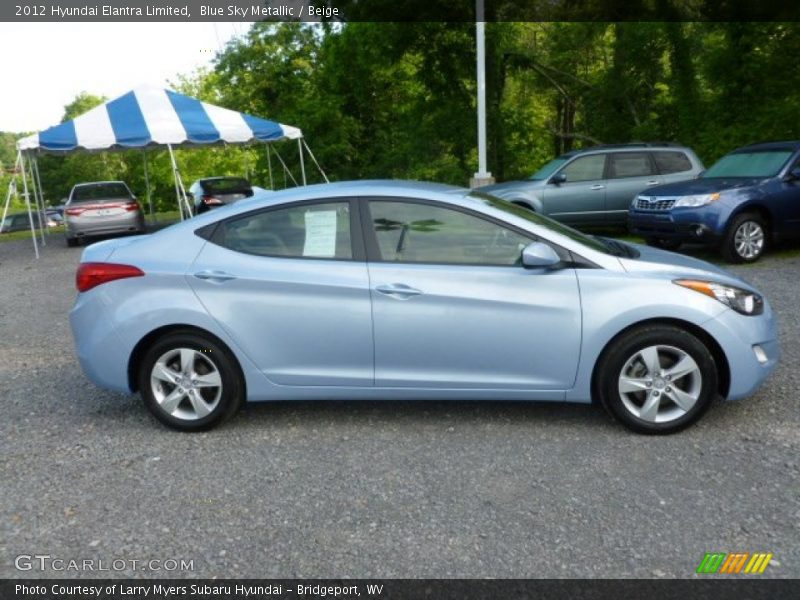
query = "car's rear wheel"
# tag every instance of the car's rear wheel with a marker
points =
(663, 243)
(746, 239)
(657, 379)
(189, 382)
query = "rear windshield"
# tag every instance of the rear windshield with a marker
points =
(100, 191)
(749, 164)
(226, 185)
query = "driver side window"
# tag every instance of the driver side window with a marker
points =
(413, 232)
(585, 168)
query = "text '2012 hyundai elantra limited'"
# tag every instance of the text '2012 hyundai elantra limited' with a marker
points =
(402, 290)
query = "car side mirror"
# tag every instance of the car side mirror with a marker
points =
(793, 175)
(558, 178)
(537, 255)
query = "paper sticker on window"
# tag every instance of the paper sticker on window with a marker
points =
(320, 233)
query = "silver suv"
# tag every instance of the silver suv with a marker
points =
(595, 186)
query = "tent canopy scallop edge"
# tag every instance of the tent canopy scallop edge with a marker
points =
(150, 116)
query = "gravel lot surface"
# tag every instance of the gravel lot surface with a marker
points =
(337, 489)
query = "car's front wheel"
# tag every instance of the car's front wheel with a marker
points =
(657, 379)
(190, 382)
(745, 239)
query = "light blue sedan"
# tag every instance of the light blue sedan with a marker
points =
(400, 290)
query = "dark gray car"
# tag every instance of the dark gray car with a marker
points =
(595, 186)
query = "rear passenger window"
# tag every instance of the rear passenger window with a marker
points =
(672, 162)
(630, 164)
(305, 231)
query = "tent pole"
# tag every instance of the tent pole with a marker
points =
(147, 182)
(180, 192)
(314, 158)
(39, 209)
(12, 189)
(269, 166)
(39, 187)
(28, 204)
(285, 170)
(302, 162)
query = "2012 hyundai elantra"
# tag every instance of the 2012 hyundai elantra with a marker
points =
(403, 290)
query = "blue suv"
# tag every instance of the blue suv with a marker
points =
(747, 199)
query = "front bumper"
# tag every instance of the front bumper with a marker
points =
(751, 347)
(685, 224)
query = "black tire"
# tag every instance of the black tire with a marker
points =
(616, 360)
(729, 242)
(72, 242)
(208, 352)
(663, 243)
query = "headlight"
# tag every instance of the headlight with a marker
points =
(697, 200)
(742, 301)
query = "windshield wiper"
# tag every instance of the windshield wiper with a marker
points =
(617, 248)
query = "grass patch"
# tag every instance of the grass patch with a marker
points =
(22, 235)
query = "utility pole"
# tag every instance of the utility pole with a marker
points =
(482, 177)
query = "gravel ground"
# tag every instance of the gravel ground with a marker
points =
(369, 489)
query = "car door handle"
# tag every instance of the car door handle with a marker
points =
(653, 182)
(401, 291)
(218, 276)
(597, 186)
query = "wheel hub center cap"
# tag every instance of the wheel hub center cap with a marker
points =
(659, 383)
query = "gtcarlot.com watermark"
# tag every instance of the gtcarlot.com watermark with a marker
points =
(46, 562)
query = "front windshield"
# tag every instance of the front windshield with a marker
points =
(549, 168)
(547, 222)
(749, 164)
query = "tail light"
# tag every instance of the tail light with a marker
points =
(131, 206)
(211, 200)
(74, 212)
(92, 274)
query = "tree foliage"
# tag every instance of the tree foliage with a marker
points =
(397, 100)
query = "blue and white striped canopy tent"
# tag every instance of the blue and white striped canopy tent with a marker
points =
(150, 116)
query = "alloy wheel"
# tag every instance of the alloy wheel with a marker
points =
(660, 384)
(749, 240)
(186, 384)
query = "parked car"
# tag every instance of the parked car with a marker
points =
(747, 199)
(397, 290)
(101, 208)
(595, 186)
(213, 192)
(55, 217)
(20, 222)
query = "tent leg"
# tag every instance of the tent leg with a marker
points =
(28, 204)
(12, 190)
(302, 162)
(286, 170)
(180, 191)
(147, 183)
(314, 158)
(269, 166)
(39, 187)
(39, 208)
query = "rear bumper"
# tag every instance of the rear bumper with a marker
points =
(77, 227)
(101, 353)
